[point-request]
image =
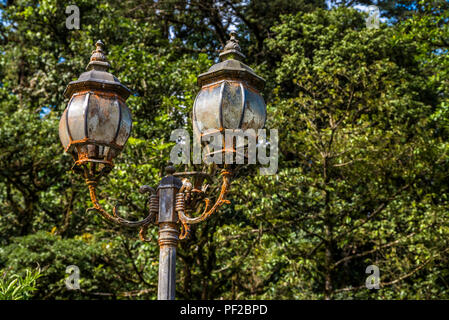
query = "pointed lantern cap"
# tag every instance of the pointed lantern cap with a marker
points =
(97, 77)
(231, 67)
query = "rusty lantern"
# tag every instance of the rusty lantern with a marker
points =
(96, 123)
(229, 97)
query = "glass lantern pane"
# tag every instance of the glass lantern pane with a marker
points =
(255, 111)
(103, 118)
(76, 114)
(125, 125)
(206, 110)
(63, 133)
(232, 105)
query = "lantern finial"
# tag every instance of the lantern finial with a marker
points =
(98, 59)
(232, 49)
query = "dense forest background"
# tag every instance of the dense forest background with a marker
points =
(363, 179)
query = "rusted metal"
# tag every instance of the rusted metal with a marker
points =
(110, 94)
(115, 218)
(167, 209)
(168, 239)
(228, 104)
(97, 123)
(231, 67)
(229, 99)
(97, 76)
(185, 220)
(153, 211)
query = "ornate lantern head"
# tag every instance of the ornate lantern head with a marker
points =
(96, 123)
(229, 97)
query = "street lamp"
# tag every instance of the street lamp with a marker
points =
(97, 123)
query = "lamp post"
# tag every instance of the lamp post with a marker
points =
(97, 123)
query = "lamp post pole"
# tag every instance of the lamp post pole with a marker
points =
(168, 234)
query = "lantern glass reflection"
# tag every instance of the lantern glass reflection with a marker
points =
(96, 119)
(229, 105)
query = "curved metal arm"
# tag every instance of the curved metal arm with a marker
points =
(180, 207)
(114, 217)
(154, 210)
(143, 232)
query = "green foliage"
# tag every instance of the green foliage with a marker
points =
(15, 287)
(360, 131)
(98, 257)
